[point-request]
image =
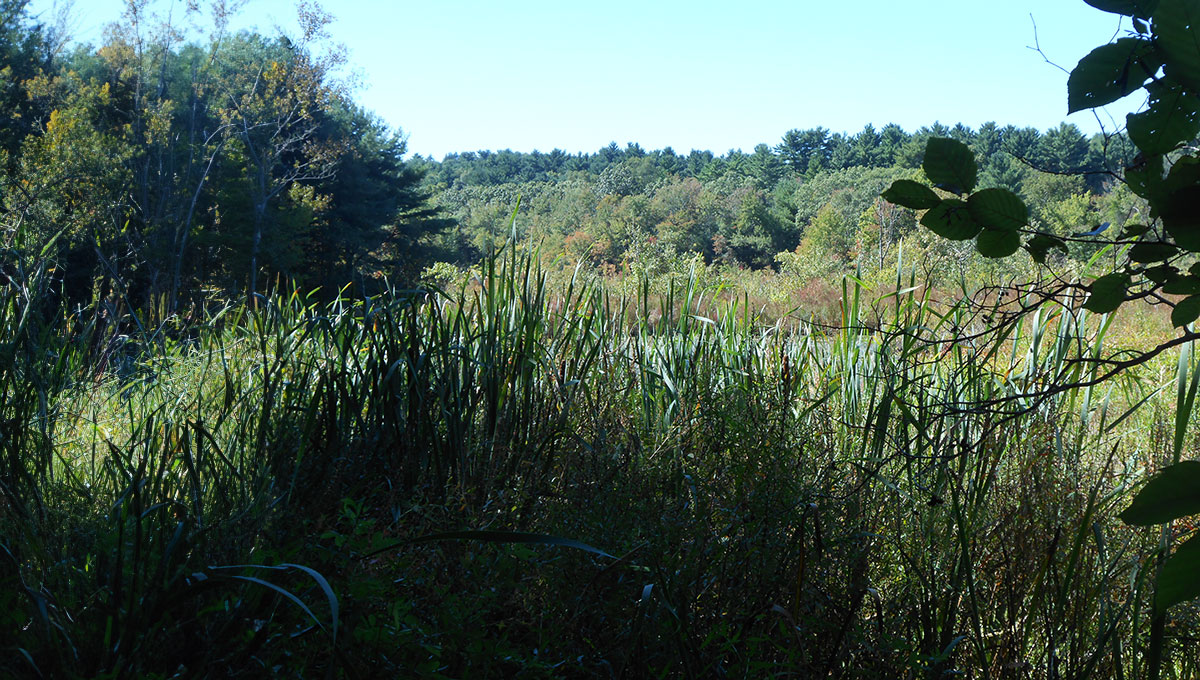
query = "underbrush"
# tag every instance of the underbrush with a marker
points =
(524, 480)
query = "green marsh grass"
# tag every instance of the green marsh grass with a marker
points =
(244, 494)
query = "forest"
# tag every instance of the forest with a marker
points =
(279, 398)
(809, 206)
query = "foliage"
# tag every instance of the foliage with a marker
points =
(744, 209)
(1153, 261)
(163, 166)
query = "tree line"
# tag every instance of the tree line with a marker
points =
(810, 203)
(164, 162)
(806, 153)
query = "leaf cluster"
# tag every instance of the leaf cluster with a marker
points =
(993, 217)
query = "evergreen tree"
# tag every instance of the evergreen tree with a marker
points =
(892, 139)
(867, 147)
(1063, 149)
(765, 167)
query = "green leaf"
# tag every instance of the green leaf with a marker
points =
(1180, 217)
(1182, 285)
(1133, 231)
(950, 165)
(997, 244)
(1038, 253)
(951, 219)
(1146, 176)
(910, 194)
(1039, 246)
(1177, 29)
(1162, 273)
(1169, 495)
(1135, 8)
(1152, 251)
(998, 209)
(1174, 201)
(1110, 72)
(1179, 580)
(1186, 311)
(1172, 117)
(1107, 293)
(1185, 172)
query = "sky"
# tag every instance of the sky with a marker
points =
(464, 75)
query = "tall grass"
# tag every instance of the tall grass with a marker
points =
(239, 494)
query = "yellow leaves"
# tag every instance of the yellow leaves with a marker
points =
(55, 122)
(158, 122)
(276, 74)
(41, 86)
(307, 198)
(74, 173)
(69, 92)
(118, 54)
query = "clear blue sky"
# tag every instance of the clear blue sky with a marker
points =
(460, 75)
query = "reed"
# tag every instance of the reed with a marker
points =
(246, 492)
